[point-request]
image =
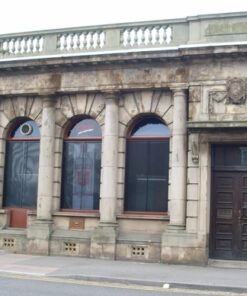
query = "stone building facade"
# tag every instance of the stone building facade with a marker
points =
(126, 141)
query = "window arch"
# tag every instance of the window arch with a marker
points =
(21, 165)
(147, 165)
(81, 165)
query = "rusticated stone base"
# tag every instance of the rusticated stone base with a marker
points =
(182, 255)
(183, 248)
(38, 235)
(103, 241)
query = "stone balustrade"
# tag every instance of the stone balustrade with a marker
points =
(176, 33)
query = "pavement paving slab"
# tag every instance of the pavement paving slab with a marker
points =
(150, 274)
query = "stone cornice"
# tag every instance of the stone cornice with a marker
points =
(67, 63)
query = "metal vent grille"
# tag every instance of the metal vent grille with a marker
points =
(8, 243)
(70, 247)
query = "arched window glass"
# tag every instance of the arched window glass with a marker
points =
(21, 165)
(26, 130)
(150, 127)
(147, 163)
(81, 166)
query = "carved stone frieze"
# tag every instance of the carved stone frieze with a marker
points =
(236, 91)
(217, 101)
(231, 100)
(217, 96)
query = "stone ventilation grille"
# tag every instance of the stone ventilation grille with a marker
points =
(70, 247)
(138, 251)
(8, 243)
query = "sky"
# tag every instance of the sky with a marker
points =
(31, 15)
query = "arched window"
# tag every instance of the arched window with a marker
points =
(147, 159)
(81, 166)
(21, 165)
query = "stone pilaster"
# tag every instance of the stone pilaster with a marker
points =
(178, 161)
(104, 237)
(39, 232)
(175, 241)
(46, 161)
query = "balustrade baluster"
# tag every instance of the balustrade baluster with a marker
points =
(78, 41)
(71, 45)
(91, 34)
(6, 45)
(13, 46)
(38, 44)
(98, 41)
(164, 41)
(157, 35)
(18, 47)
(85, 40)
(66, 41)
(59, 44)
(150, 35)
(143, 37)
(168, 34)
(31, 44)
(135, 36)
(128, 39)
(25, 47)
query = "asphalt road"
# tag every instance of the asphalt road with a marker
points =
(11, 285)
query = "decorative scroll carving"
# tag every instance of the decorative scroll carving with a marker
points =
(236, 91)
(195, 152)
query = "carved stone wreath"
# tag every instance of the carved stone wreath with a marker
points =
(236, 91)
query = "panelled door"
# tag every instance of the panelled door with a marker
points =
(228, 238)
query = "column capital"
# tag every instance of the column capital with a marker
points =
(111, 94)
(181, 88)
(179, 91)
(49, 101)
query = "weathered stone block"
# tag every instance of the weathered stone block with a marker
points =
(193, 175)
(192, 192)
(103, 242)
(191, 225)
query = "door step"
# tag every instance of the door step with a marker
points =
(227, 263)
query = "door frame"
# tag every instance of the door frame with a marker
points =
(205, 141)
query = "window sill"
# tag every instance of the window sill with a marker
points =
(77, 214)
(31, 212)
(4, 211)
(144, 216)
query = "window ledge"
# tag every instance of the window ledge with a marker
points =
(76, 214)
(4, 211)
(31, 212)
(137, 216)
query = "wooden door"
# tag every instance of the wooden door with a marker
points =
(228, 237)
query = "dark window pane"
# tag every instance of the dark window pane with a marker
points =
(85, 128)
(26, 130)
(81, 175)
(147, 175)
(30, 175)
(150, 127)
(229, 155)
(136, 175)
(21, 174)
(158, 158)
